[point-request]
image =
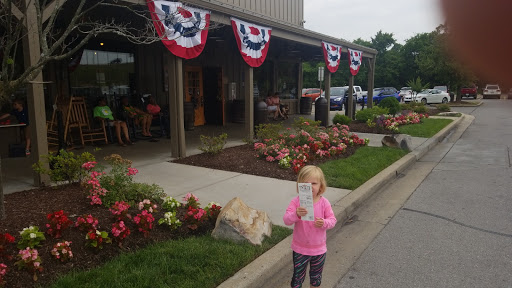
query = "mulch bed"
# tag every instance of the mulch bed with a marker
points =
(242, 159)
(31, 207)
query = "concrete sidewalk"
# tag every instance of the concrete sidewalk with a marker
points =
(267, 194)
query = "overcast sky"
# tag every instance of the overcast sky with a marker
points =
(364, 18)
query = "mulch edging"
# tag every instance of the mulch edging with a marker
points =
(31, 207)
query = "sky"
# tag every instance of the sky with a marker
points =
(364, 18)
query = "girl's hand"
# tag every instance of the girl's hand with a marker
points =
(319, 222)
(301, 211)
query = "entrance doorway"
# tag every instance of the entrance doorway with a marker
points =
(194, 92)
(214, 96)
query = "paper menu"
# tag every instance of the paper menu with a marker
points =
(306, 201)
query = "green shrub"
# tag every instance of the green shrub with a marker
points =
(268, 131)
(307, 125)
(121, 187)
(406, 106)
(444, 107)
(341, 119)
(64, 166)
(370, 113)
(392, 104)
(420, 109)
(213, 145)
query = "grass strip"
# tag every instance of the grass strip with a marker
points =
(191, 262)
(352, 172)
(427, 128)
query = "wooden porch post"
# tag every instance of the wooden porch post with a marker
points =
(350, 107)
(300, 86)
(175, 72)
(249, 101)
(35, 93)
(327, 85)
(371, 84)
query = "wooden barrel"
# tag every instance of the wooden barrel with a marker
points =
(188, 111)
(238, 110)
(306, 105)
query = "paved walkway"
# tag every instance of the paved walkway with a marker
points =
(456, 229)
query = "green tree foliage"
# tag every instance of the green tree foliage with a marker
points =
(416, 85)
(425, 55)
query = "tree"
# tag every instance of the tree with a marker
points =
(417, 86)
(60, 35)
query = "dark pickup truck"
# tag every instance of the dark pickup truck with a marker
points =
(468, 92)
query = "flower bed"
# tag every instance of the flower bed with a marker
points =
(297, 147)
(388, 124)
(78, 235)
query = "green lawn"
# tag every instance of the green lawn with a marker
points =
(428, 127)
(352, 172)
(192, 262)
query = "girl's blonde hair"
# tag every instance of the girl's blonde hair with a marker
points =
(312, 172)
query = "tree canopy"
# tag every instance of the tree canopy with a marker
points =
(425, 55)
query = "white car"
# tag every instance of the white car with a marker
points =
(492, 91)
(406, 92)
(431, 96)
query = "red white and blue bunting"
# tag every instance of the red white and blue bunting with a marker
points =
(355, 58)
(252, 41)
(183, 29)
(332, 56)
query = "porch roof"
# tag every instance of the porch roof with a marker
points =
(221, 13)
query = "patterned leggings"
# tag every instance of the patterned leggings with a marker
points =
(300, 263)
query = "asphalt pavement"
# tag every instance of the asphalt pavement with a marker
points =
(456, 228)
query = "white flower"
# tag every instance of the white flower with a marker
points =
(33, 235)
(98, 232)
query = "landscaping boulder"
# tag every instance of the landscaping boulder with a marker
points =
(239, 222)
(405, 142)
(390, 141)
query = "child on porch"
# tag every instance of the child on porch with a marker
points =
(309, 237)
(21, 114)
(103, 112)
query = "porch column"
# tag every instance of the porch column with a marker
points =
(249, 101)
(371, 77)
(175, 75)
(35, 93)
(300, 85)
(327, 85)
(350, 107)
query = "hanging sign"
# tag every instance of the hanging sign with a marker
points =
(252, 41)
(183, 29)
(332, 56)
(355, 57)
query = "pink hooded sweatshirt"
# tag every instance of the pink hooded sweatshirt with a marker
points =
(307, 239)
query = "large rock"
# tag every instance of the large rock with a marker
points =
(239, 222)
(402, 141)
(390, 141)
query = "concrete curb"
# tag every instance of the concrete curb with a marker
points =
(468, 105)
(256, 273)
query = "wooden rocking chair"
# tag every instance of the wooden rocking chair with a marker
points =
(77, 117)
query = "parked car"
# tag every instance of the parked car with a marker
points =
(337, 97)
(431, 96)
(405, 91)
(384, 92)
(492, 91)
(313, 93)
(358, 91)
(469, 91)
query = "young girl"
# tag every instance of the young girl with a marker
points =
(309, 237)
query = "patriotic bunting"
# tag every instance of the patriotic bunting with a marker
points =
(183, 29)
(252, 41)
(355, 57)
(332, 56)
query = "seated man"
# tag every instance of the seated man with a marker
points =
(102, 112)
(21, 114)
(141, 118)
(274, 105)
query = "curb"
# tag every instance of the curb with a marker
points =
(256, 273)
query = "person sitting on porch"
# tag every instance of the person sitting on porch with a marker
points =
(21, 115)
(141, 118)
(154, 109)
(274, 105)
(102, 111)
